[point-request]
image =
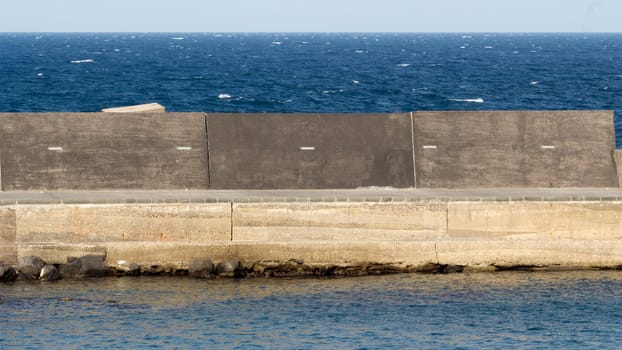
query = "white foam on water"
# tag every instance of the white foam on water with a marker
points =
(116, 50)
(534, 82)
(82, 61)
(177, 38)
(224, 96)
(40, 74)
(359, 51)
(403, 64)
(276, 43)
(463, 47)
(488, 47)
(469, 100)
(466, 37)
(355, 81)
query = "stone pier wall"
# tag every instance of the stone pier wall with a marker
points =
(477, 234)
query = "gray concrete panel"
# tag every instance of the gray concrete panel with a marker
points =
(267, 151)
(51, 151)
(514, 149)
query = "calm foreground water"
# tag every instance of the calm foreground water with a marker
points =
(544, 310)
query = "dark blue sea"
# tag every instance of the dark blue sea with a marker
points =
(323, 72)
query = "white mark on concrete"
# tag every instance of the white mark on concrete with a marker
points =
(57, 149)
(184, 148)
(429, 146)
(307, 148)
(547, 147)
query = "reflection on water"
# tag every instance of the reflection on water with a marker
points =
(529, 310)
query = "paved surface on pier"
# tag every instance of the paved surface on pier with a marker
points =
(348, 195)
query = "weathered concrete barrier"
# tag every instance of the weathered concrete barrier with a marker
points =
(52, 151)
(514, 149)
(468, 149)
(339, 221)
(123, 223)
(269, 151)
(473, 234)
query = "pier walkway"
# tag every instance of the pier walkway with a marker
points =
(324, 195)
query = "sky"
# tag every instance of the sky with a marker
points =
(310, 16)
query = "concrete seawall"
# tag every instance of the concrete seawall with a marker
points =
(475, 189)
(168, 151)
(552, 228)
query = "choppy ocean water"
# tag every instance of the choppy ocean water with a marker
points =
(315, 73)
(542, 310)
(322, 72)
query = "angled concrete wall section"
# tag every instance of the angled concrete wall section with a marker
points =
(267, 151)
(514, 149)
(50, 151)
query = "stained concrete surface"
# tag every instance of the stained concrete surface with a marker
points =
(269, 151)
(514, 149)
(52, 151)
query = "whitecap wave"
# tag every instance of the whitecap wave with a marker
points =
(224, 96)
(469, 100)
(534, 82)
(82, 61)
(276, 43)
(403, 64)
(177, 38)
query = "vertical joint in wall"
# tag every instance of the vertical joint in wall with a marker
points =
(412, 141)
(231, 220)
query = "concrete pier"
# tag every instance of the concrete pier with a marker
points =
(478, 189)
(476, 228)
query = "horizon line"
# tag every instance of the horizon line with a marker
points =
(310, 32)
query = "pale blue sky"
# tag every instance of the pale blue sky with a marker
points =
(311, 15)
